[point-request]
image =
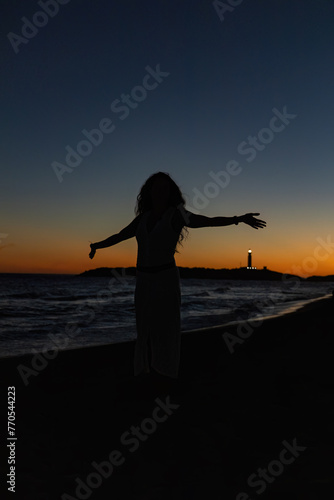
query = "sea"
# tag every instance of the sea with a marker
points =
(43, 312)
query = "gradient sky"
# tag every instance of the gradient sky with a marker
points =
(225, 78)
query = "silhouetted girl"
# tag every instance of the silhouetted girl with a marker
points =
(159, 226)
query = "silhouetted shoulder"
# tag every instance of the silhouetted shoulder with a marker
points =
(181, 218)
(130, 230)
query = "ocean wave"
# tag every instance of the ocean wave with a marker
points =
(221, 289)
(25, 295)
(32, 308)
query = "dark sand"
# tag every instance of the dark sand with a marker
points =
(234, 413)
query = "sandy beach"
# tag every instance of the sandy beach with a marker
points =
(251, 414)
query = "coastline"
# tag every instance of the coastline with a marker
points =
(288, 309)
(292, 308)
(232, 412)
(241, 273)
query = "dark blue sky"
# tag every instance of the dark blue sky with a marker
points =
(224, 80)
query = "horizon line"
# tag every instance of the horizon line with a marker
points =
(181, 267)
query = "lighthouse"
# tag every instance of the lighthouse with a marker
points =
(249, 265)
(249, 262)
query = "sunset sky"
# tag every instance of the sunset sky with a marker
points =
(188, 88)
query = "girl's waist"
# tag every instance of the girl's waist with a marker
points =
(156, 269)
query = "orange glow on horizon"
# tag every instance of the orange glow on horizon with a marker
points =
(208, 248)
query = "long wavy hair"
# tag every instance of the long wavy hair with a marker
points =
(144, 200)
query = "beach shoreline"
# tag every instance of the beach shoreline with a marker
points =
(233, 409)
(293, 307)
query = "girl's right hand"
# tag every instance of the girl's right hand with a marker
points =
(92, 251)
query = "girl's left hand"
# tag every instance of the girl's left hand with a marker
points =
(252, 221)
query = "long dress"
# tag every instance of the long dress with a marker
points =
(157, 298)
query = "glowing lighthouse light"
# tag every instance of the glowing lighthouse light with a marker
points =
(249, 266)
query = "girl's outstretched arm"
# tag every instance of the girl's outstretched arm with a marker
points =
(126, 233)
(195, 220)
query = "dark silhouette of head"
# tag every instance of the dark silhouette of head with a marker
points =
(160, 190)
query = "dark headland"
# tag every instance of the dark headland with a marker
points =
(241, 273)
